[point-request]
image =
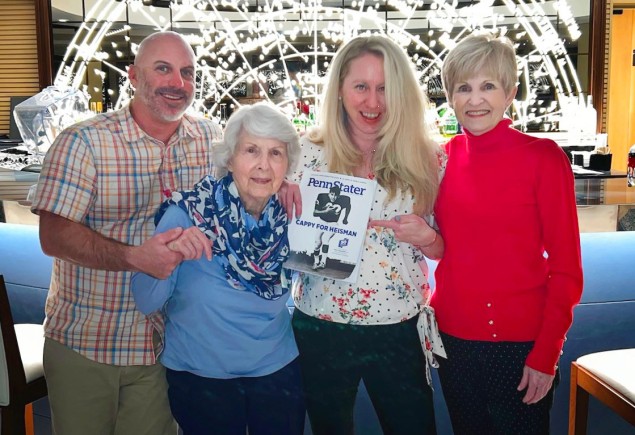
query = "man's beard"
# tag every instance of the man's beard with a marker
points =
(162, 109)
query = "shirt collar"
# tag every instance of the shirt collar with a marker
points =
(134, 132)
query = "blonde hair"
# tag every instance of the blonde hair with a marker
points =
(480, 52)
(406, 157)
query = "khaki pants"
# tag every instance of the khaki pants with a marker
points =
(87, 397)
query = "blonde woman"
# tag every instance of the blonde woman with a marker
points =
(372, 126)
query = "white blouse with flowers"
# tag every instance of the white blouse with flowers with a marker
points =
(392, 285)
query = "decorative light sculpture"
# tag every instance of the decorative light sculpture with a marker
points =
(279, 49)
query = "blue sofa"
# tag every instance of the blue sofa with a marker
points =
(26, 270)
(604, 320)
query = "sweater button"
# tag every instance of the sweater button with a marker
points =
(489, 305)
(494, 335)
(491, 322)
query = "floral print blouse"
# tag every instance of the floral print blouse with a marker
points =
(392, 285)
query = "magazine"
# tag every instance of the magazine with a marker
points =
(327, 240)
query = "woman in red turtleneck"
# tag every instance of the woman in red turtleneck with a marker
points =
(511, 272)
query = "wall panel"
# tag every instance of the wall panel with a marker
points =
(620, 88)
(18, 54)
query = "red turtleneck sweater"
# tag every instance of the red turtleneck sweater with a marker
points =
(511, 270)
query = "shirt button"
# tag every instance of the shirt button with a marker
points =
(489, 305)
(491, 322)
(494, 335)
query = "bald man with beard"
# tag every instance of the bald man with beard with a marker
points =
(101, 184)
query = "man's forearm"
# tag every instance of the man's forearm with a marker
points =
(78, 244)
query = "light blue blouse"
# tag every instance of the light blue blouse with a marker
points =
(212, 329)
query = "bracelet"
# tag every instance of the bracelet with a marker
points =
(427, 245)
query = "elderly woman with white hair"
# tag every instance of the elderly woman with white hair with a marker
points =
(229, 351)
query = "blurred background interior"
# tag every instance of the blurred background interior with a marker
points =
(572, 54)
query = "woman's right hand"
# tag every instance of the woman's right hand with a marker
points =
(192, 244)
(537, 384)
(413, 229)
(408, 228)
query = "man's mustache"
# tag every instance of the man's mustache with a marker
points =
(173, 91)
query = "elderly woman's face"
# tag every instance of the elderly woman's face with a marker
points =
(480, 102)
(258, 166)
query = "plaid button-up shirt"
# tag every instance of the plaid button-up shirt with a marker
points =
(109, 175)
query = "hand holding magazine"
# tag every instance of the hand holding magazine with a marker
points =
(327, 240)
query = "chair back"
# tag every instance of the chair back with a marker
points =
(12, 374)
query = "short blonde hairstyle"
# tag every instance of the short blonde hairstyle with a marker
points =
(261, 120)
(480, 52)
(406, 157)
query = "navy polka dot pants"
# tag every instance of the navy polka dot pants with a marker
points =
(479, 381)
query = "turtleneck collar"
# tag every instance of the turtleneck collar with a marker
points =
(492, 140)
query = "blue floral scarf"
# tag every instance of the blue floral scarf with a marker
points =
(251, 252)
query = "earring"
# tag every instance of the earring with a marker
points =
(339, 98)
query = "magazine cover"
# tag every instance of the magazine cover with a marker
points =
(328, 238)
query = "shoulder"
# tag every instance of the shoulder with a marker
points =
(455, 142)
(538, 146)
(307, 144)
(174, 216)
(102, 121)
(79, 138)
(549, 159)
(442, 159)
(313, 155)
(199, 125)
(103, 129)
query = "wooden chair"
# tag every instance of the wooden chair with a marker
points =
(609, 377)
(21, 373)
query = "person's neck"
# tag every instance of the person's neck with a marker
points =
(491, 140)
(160, 130)
(365, 144)
(255, 208)
(367, 150)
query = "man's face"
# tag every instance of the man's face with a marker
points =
(333, 196)
(164, 79)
